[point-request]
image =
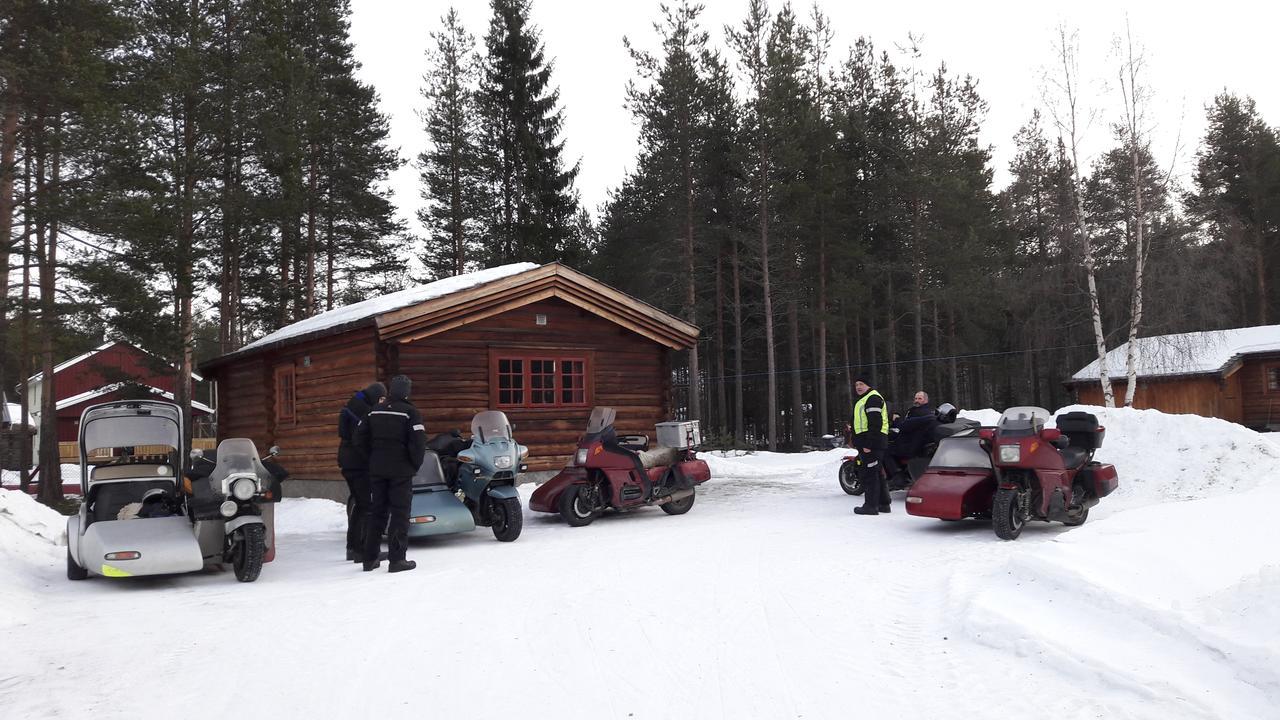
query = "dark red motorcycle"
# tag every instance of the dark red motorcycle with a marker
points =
(1017, 471)
(607, 473)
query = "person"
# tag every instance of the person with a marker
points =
(908, 436)
(394, 440)
(354, 465)
(870, 423)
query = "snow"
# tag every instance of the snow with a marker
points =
(769, 599)
(372, 307)
(1188, 353)
(14, 411)
(106, 389)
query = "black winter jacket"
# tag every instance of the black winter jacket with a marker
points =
(393, 438)
(353, 413)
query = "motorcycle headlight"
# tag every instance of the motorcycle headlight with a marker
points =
(581, 457)
(1010, 453)
(228, 508)
(243, 489)
(502, 463)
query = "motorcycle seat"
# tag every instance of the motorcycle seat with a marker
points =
(658, 457)
(1074, 457)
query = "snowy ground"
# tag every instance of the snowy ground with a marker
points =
(770, 599)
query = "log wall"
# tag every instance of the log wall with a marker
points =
(1260, 406)
(450, 372)
(1205, 395)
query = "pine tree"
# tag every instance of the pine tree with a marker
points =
(533, 196)
(452, 166)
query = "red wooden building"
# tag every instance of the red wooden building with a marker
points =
(544, 344)
(115, 370)
(1228, 374)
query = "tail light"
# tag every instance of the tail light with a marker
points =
(123, 555)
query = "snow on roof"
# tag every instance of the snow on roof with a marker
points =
(105, 389)
(13, 414)
(372, 307)
(85, 356)
(1188, 353)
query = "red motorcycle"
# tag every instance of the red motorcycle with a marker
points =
(608, 474)
(1024, 471)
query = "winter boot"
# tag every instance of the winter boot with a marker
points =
(354, 556)
(401, 565)
(866, 510)
(886, 508)
(371, 566)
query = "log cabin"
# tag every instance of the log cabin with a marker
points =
(1229, 374)
(544, 344)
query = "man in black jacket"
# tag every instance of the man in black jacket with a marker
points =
(394, 440)
(870, 423)
(354, 464)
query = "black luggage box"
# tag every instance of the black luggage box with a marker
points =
(1082, 429)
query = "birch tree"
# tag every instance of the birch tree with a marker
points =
(1066, 108)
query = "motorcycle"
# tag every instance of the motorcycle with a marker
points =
(481, 476)
(230, 497)
(141, 517)
(605, 474)
(909, 467)
(1027, 471)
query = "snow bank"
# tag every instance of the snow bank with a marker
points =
(21, 515)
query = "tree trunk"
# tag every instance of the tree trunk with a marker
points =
(313, 183)
(24, 364)
(917, 293)
(771, 365)
(824, 412)
(739, 434)
(722, 401)
(1139, 267)
(690, 292)
(8, 149)
(47, 233)
(891, 334)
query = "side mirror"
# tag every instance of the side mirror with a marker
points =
(196, 454)
(273, 451)
(987, 434)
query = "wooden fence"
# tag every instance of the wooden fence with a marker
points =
(69, 452)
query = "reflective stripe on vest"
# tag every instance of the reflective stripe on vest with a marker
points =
(860, 423)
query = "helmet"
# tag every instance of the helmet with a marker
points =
(947, 413)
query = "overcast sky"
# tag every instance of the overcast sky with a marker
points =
(1193, 51)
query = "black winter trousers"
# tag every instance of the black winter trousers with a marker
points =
(389, 497)
(875, 486)
(358, 486)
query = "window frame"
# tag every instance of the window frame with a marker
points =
(1267, 369)
(281, 373)
(527, 356)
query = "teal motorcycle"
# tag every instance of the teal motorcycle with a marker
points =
(462, 486)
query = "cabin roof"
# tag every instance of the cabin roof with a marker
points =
(107, 389)
(72, 362)
(435, 307)
(1214, 352)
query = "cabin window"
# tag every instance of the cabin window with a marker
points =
(1273, 378)
(539, 380)
(286, 399)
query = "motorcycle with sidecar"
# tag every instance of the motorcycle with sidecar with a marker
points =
(1020, 470)
(606, 473)
(463, 484)
(139, 516)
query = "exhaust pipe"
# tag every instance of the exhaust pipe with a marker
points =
(673, 497)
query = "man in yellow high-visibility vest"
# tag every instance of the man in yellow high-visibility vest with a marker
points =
(870, 425)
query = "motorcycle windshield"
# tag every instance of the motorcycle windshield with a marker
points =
(1022, 420)
(237, 456)
(960, 453)
(601, 419)
(490, 425)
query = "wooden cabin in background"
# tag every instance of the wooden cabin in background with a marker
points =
(1228, 374)
(544, 344)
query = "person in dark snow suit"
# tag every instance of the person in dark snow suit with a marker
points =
(394, 440)
(354, 464)
(870, 423)
(909, 435)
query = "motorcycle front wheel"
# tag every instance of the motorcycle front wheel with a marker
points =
(248, 548)
(1007, 518)
(578, 505)
(508, 518)
(849, 480)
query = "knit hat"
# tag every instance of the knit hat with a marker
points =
(375, 392)
(861, 375)
(400, 387)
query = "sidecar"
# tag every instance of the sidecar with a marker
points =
(131, 520)
(435, 509)
(960, 481)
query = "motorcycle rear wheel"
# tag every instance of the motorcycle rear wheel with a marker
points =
(248, 551)
(849, 480)
(577, 506)
(678, 507)
(508, 518)
(1007, 518)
